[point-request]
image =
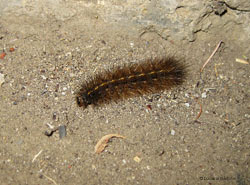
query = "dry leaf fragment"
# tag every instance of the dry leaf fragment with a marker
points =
(137, 159)
(102, 143)
(241, 61)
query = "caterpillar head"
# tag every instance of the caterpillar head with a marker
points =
(82, 100)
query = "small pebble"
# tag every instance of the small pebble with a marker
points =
(1, 79)
(68, 54)
(204, 95)
(247, 115)
(187, 104)
(62, 131)
(172, 132)
(2, 55)
(43, 77)
(12, 49)
(54, 116)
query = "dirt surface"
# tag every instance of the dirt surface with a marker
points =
(163, 145)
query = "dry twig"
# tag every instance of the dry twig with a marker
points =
(217, 47)
(102, 143)
(199, 115)
(36, 156)
(50, 179)
(241, 61)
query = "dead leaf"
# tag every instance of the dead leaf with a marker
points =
(241, 61)
(137, 159)
(102, 143)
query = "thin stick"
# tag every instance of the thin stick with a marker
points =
(217, 47)
(36, 156)
(199, 115)
(50, 179)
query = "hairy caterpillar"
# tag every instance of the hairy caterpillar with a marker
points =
(127, 81)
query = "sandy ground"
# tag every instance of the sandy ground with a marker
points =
(163, 145)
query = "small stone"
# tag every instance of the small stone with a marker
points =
(54, 116)
(1, 79)
(204, 95)
(62, 131)
(68, 54)
(52, 68)
(43, 77)
(187, 104)
(247, 115)
(172, 132)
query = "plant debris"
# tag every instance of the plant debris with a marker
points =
(217, 47)
(102, 143)
(37, 155)
(199, 114)
(241, 61)
(137, 159)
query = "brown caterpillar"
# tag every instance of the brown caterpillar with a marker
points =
(128, 81)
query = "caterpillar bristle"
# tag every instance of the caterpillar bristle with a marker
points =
(150, 76)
